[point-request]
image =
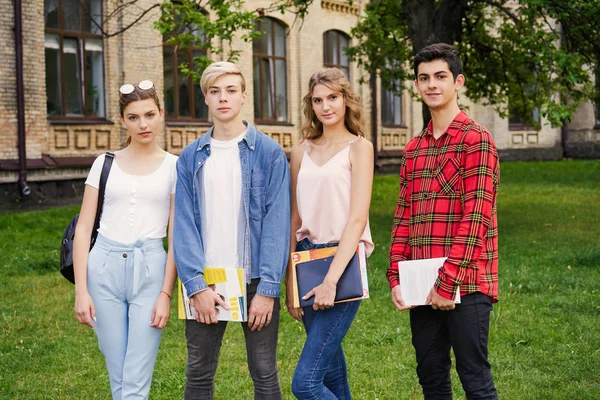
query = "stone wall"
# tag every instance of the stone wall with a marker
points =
(583, 135)
(34, 80)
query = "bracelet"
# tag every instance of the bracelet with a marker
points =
(168, 295)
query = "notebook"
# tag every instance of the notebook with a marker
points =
(417, 277)
(310, 274)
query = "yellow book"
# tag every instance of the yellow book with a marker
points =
(230, 284)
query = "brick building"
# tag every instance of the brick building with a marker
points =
(71, 75)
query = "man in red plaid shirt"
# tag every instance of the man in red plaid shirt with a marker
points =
(447, 208)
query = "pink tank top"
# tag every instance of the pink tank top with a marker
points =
(323, 197)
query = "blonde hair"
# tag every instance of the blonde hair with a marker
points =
(335, 80)
(218, 69)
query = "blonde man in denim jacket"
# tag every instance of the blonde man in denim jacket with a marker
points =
(232, 208)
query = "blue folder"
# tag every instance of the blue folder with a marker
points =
(310, 274)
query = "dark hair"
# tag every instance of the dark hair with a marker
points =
(136, 95)
(439, 51)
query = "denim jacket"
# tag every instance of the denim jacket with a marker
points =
(266, 197)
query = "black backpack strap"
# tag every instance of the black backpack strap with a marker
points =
(108, 160)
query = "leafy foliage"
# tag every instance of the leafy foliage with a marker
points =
(533, 55)
(529, 54)
(187, 23)
(212, 25)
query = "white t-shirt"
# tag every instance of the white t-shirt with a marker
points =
(222, 189)
(135, 207)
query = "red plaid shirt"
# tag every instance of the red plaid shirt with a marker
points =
(447, 208)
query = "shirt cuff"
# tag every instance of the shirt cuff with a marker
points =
(268, 289)
(393, 272)
(445, 289)
(195, 285)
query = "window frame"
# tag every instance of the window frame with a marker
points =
(258, 52)
(80, 37)
(520, 125)
(328, 58)
(177, 119)
(400, 98)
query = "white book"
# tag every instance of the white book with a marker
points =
(362, 254)
(417, 277)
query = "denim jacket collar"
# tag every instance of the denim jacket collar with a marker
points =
(249, 138)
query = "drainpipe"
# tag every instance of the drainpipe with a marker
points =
(22, 182)
(373, 85)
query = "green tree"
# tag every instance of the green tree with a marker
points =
(210, 25)
(189, 23)
(531, 54)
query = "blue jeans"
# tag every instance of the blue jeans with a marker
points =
(321, 371)
(124, 282)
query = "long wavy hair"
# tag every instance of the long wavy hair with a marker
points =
(335, 80)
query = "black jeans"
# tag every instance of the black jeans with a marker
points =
(466, 330)
(204, 343)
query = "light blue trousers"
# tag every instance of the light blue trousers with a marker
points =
(124, 281)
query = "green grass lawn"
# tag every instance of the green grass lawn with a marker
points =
(544, 340)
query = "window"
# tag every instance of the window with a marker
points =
(184, 100)
(270, 73)
(334, 44)
(516, 119)
(74, 53)
(391, 107)
(517, 122)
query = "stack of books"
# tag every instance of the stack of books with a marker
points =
(309, 268)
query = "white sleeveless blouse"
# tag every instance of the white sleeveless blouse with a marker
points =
(323, 196)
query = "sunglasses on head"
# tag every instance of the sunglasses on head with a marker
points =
(129, 88)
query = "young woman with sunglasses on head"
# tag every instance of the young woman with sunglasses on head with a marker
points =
(123, 286)
(332, 174)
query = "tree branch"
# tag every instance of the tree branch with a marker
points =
(121, 8)
(117, 10)
(138, 19)
(500, 7)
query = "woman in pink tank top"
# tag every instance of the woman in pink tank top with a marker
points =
(332, 175)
